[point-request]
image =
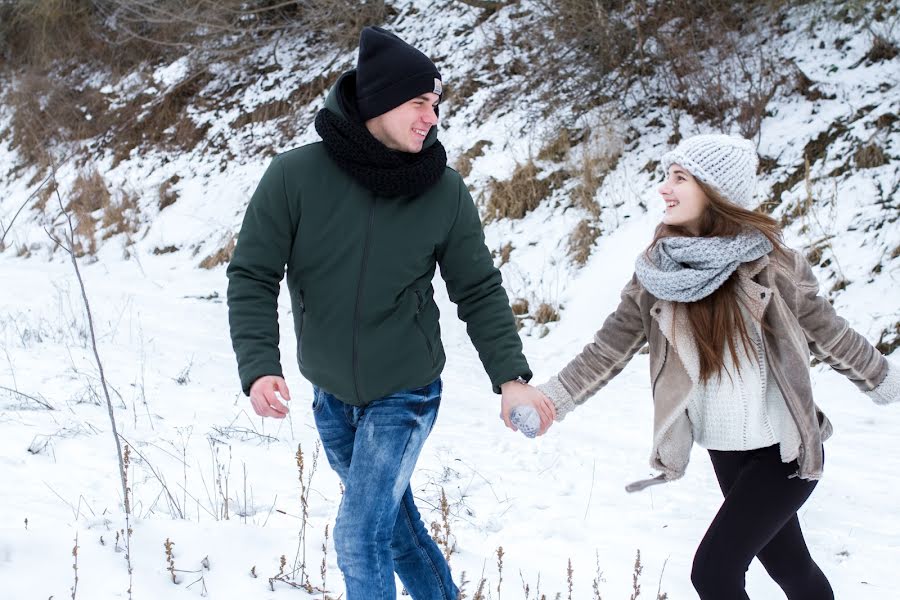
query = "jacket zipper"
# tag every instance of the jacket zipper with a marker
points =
(419, 305)
(359, 291)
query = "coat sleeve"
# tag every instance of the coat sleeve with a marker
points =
(614, 344)
(475, 285)
(830, 337)
(254, 274)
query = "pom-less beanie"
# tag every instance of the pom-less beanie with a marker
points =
(728, 163)
(389, 72)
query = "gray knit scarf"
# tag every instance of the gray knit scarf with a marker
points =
(687, 269)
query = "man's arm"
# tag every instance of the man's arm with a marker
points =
(254, 274)
(474, 284)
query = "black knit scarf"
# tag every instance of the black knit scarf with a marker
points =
(379, 169)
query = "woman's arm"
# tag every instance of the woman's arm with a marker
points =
(620, 337)
(833, 341)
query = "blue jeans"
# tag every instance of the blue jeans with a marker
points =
(379, 530)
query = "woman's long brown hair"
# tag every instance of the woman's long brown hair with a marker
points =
(715, 320)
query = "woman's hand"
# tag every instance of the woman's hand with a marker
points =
(516, 393)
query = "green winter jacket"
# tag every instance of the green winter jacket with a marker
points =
(359, 272)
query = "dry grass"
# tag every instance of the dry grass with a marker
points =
(302, 95)
(581, 241)
(49, 110)
(58, 54)
(161, 122)
(545, 313)
(521, 193)
(464, 162)
(504, 253)
(682, 56)
(600, 153)
(869, 156)
(220, 256)
(557, 149)
(458, 95)
(96, 209)
(121, 217)
(168, 196)
(88, 196)
(889, 340)
(882, 49)
(519, 307)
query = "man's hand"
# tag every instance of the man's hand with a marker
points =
(264, 400)
(515, 393)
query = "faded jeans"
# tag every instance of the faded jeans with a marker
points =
(379, 530)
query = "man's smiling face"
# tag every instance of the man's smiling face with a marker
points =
(404, 128)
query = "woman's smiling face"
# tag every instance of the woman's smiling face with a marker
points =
(685, 200)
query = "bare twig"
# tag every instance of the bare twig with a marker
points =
(75, 566)
(43, 403)
(69, 248)
(24, 204)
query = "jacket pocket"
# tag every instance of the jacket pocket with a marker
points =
(420, 305)
(301, 317)
(657, 368)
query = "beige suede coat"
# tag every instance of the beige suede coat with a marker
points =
(781, 291)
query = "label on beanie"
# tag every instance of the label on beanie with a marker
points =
(438, 87)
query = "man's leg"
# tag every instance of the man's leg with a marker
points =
(760, 501)
(417, 559)
(387, 438)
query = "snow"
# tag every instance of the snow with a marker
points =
(163, 339)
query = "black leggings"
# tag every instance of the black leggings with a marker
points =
(758, 518)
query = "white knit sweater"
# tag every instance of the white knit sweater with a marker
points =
(744, 409)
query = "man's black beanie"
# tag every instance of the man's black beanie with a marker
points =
(389, 72)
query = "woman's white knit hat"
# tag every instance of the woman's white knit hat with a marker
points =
(726, 162)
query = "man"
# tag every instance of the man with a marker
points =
(362, 220)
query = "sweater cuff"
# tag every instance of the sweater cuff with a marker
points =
(561, 399)
(888, 391)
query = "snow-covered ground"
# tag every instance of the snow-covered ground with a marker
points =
(165, 348)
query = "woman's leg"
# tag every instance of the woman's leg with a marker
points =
(758, 516)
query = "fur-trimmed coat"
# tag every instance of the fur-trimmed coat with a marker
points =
(781, 291)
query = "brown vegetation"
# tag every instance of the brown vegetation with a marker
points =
(220, 256)
(545, 313)
(869, 156)
(684, 56)
(96, 209)
(581, 241)
(56, 56)
(521, 193)
(168, 196)
(464, 162)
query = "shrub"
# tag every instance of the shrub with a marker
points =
(520, 194)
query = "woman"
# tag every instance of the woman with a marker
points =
(731, 316)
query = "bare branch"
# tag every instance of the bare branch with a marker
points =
(43, 403)
(24, 204)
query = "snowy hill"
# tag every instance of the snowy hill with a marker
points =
(158, 184)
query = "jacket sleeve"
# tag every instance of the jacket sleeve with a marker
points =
(254, 274)
(475, 285)
(615, 343)
(830, 337)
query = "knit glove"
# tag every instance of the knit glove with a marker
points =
(557, 394)
(888, 391)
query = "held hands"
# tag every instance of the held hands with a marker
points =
(264, 399)
(516, 394)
